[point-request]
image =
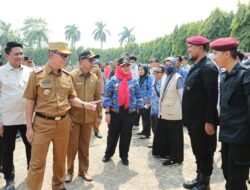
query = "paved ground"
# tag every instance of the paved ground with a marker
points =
(143, 173)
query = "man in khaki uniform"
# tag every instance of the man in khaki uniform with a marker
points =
(97, 71)
(49, 94)
(88, 89)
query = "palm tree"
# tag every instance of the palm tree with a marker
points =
(7, 34)
(35, 31)
(100, 33)
(72, 34)
(126, 35)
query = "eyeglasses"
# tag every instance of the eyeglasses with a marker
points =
(63, 56)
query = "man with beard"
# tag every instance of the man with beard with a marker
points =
(199, 110)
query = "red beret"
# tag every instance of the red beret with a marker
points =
(197, 40)
(224, 44)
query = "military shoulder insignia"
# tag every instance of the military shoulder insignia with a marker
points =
(65, 71)
(38, 70)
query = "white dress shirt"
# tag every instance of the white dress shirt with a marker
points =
(13, 82)
(135, 72)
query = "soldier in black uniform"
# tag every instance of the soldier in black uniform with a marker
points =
(199, 110)
(235, 114)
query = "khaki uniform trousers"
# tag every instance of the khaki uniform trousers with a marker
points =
(79, 140)
(95, 129)
(46, 131)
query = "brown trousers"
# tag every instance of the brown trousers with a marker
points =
(46, 131)
(95, 129)
(79, 140)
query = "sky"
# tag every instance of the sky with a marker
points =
(150, 18)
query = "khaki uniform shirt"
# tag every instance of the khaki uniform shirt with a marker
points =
(88, 90)
(97, 71)
(49, 91)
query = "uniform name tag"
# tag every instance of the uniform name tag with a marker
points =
(46, 81)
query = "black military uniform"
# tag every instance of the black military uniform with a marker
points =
(199, 106)
(234, 118)
(199, 110)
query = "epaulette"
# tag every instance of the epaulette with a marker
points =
(38, 70)
(65, 71)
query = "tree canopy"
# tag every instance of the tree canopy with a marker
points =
(72, 34)
(126, 35)
(100, 33)
(34, 36)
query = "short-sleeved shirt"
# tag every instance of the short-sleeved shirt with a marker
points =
(13, 82)
(50, 91)
(87, 88)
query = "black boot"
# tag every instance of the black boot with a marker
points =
(203, 183)
(192, 183)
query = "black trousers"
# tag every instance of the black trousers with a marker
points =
(235, 165)
(154, 122)
(120, 126)
(137, 119)
(1, 151)
(9, 142)
(175, 140)
(146, 124)
(203, 147)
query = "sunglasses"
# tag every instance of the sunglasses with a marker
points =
(64, 56)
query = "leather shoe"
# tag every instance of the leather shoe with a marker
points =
(98, 135)
(125, 162)
(105, 159)
(85, 176)
(170, 163)
(68, 178)
(10, 185)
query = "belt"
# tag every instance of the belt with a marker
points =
(50, 118)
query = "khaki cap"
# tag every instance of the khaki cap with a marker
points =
(60, 46)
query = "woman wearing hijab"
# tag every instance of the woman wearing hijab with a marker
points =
(121, 101)
(145, 82)
(168, 141)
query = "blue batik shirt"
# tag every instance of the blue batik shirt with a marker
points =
(182, 72)
(155, 97)
(146, 89)
(111, 95)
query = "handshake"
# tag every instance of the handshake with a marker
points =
(91, 105)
